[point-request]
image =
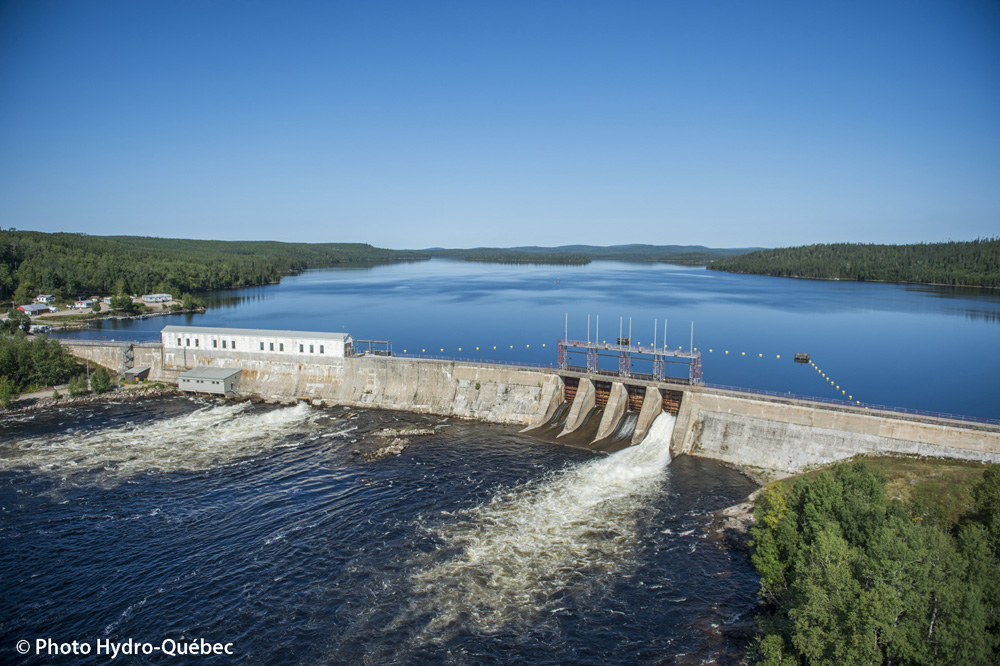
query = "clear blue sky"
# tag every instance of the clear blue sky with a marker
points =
(459, 124)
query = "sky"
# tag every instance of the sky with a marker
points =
(466, 124)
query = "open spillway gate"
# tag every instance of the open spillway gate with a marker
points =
(602, 414)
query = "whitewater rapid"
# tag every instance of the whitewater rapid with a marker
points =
(512, 559)
(210, 436)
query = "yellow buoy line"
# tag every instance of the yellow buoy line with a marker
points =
(836, 387)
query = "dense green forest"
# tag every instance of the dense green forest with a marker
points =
(849, 577)
(72, 265)
(26, 364)
(693, 255)
(973, 263)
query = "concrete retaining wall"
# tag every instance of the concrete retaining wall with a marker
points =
(770, 434)
(489, 393)
(785, 438)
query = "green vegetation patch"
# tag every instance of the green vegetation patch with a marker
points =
(973, 263)
(71, 265)
(851, 575)
(937, 490)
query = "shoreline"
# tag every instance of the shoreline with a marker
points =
(837, 279)
(38, 404)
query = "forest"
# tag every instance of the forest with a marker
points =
(31, 363)
(71, 265)
(972, 263)
(850, 577)
(692, 255)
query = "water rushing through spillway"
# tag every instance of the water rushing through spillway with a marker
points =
(204, 438)
(518, 555)
(258, 525)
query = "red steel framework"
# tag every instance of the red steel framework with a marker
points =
(626, 353)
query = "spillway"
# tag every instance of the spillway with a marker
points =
(512, 559)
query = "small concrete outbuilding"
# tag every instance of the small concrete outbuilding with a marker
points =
(137, 374)
(205, 379)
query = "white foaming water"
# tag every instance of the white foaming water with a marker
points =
(203, 439)
(512, 559)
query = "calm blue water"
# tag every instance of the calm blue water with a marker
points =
(921, 347)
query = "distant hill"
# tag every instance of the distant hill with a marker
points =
(582, 254)
(969, 263)
(70, 265)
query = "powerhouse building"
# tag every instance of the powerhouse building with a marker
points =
(237, 342)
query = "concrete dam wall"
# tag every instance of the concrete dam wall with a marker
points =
(771, 435)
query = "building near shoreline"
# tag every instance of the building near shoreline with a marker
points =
(205, 379)
(243, 342)
(33, 309)
(156, 298)
(45, 298)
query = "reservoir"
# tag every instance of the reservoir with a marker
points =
(913, 346)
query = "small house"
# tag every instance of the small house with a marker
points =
(84, 304)
(205, 379)
(33, 309)
(45, 298)
(156, 298)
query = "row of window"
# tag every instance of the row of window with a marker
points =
(232, 345)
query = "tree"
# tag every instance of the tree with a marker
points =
(123, 303)
(8, 391)
(16, 320)
(96, 305)
(100, 381)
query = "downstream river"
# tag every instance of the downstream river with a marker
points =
(183, 520)
(918, 347)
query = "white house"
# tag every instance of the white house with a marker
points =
(84, 304)
(156, 298)
(45, 298)
(236, 342)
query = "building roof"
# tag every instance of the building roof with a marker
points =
(136, 371)
(257, 332)
(206, 372)
(32, 307)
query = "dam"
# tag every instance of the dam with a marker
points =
(579, 406)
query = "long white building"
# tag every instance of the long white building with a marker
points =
(234, 342)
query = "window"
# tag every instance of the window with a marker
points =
(223, 344)
(281, 346)
(272, 346)
(196, 341)
(232, 343)
(188, 340)
(215, 343)
(300, 349)
(178, 342)
(310, 349)
(321, 349)
(262, 346)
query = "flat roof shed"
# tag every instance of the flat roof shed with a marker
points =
(205, 379)
(137, 374)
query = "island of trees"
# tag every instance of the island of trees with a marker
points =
(973, 263)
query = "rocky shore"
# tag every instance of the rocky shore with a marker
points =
(34, 404)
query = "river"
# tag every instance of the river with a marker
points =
(183, 519)
(912, 346)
